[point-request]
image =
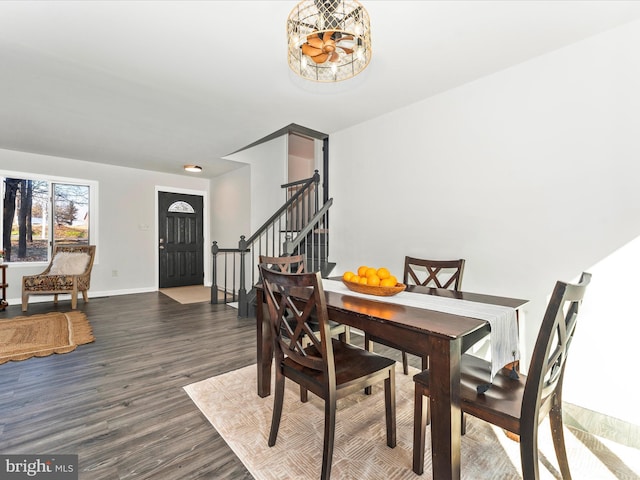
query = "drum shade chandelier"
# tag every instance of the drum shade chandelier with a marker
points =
(329, 40)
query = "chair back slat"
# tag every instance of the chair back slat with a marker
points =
(293, 300)
(434, 273)
(548, 361)
(289, 264)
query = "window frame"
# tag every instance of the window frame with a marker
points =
(51, 179)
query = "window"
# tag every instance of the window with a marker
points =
(180, 207)
(38, 213)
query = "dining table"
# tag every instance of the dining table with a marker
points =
(435, 333)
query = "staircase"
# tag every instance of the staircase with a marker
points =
(318, 258)
(299, 226)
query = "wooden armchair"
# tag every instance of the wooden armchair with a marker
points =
(69, 272)
(327, 367)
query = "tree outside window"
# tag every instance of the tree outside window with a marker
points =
(37, 214)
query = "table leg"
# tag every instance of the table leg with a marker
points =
(446, 417)
(264, 347)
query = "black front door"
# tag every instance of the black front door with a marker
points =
(181, 240)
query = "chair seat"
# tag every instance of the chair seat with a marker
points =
(502, 403)
(352, 363)
(48, 282)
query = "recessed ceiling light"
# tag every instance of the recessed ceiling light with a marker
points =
(193, 168)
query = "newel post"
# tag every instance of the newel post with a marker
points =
(214, 273)
(243, 308)
(316, 180)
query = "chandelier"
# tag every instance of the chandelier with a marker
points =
(329, 40)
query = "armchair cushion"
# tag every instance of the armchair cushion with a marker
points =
(69, 263)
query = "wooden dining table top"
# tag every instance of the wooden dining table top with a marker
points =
(413, 318)
(408, 326)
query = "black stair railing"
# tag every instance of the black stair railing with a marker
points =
(299, 226)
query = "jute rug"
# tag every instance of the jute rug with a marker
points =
(243, 419)
(42, 335)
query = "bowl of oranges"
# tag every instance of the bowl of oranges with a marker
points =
(372, 281)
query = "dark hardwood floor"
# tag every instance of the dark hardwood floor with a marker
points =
(118, 403)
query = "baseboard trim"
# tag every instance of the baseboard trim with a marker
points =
(92, 294)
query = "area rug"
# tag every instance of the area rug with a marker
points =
(42, 335)
(243, 419)
(190, 294)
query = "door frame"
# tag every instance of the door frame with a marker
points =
(206, 254)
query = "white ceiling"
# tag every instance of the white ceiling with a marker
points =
(157, 84)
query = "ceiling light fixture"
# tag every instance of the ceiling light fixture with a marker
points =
(329, 40)
(193, 168)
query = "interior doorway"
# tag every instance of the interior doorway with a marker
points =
(301, 162)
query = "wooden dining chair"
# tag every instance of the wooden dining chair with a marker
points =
(298, 264)
(288, 264)
(430, 273)
(327, 367)
(517, 405)
(433, 273)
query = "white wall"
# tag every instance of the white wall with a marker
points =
(231, 207)
(268, 171)
(301, 164)
(300, 168)
(126, 205)
(530, 174)
(244, 199)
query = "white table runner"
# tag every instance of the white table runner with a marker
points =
(504, 327)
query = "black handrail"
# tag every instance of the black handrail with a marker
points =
(283, 208)
(300, 208)
(290, 245)
(297, 182)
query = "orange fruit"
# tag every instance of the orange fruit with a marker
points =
(363, 280)
(383, 273)
(346, 276)
(393, 279)
(362, 271)
(373, 280)
(355, 279)
(387, 282)
(370, 271)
